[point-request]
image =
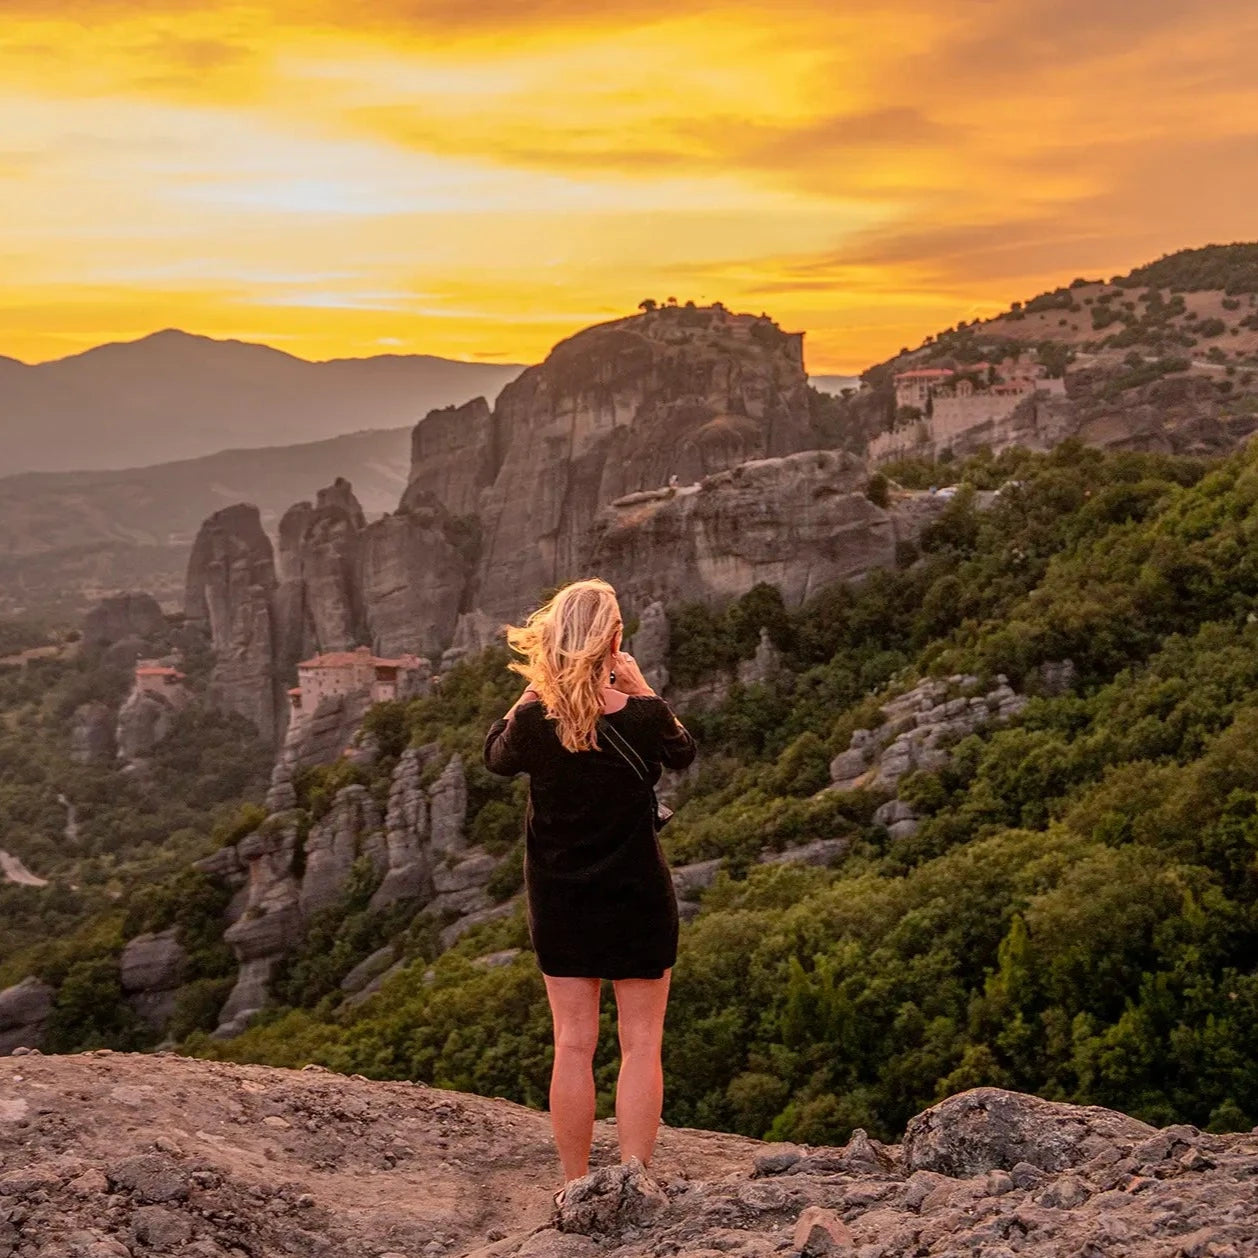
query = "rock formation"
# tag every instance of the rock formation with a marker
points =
(131, 615)
(917, 729)
(151, 970)
(24, 1011)
(418, 850)
(92, 734)
(627, 406)
(453, 457)
(798, 522)
(667, 452)
(414, 577)
(143, 721)
(320, 596)
(230, 594)
(113, 1155)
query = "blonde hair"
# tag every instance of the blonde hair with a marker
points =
(566, 644)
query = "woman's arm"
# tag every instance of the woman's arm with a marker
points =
(503, 750)
(677, 744)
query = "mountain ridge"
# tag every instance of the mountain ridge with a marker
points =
(173, 395)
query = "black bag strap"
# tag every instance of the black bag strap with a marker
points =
(625, 748)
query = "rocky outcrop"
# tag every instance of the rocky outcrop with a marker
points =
(622, 407)
(109, 1155)
(92, 734)
(143, 721)
(131, 615)
(408, 862)
(989, 1129)
(453, 458)
(650, 646)
(917, 729)
(418, 850)
(324, 735)
(473, 632)
(414, 576)
(24, 1012)
(230, 594)
(319, 601)
(667, 452)
(798, 523)
(151, 970)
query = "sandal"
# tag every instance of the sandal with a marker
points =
(560, 1196)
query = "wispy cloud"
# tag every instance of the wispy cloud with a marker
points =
(482, 179)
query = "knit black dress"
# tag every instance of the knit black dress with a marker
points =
(600, 897)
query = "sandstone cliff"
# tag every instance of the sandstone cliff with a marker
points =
(569, 473)
(230, 595)
(109, 1155)
(798, 522)
(627, 406)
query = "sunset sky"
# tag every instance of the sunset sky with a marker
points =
(479, 179)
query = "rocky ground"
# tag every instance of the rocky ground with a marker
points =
(107, 1155)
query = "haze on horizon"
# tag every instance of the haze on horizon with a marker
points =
(347, 179)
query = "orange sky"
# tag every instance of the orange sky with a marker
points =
(479, 179)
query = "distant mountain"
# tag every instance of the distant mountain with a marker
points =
(834, 385)
(175, 396)
(66, 537)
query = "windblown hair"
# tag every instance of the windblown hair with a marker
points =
(566, 645)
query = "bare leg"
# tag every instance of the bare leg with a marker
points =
(574, 1010)
(640, 1006)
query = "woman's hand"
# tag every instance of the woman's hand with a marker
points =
(629, 679)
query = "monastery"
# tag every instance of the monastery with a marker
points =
(336, 674)
(948, 404)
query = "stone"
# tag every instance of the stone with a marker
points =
(368, 968)
(415, 571)
(229, 594)
(151, 969)
(161, 1229)
(24, 1011)
(92, 734)
(131, 615)
(814, 852)
(777, 1158)
(447, 808)
(797, 522)
(650, 645)
(90, 1184)
(988, 1129)
(474, 870)
(144, 720)
(627, 406)
(473, 632)
(820, 1232)
(611, 1199)
(452, 456)
(1064, 1194)
(408, 867)
(690, 879)
(494, 960)
(150, 1178)
(334, 843)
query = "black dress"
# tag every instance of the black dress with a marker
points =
(600, 897)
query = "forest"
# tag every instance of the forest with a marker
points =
(1077, 915)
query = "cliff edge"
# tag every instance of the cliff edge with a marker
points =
(106, 1155)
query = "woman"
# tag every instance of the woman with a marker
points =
(600, 897)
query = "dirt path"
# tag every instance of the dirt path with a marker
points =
(14, 871)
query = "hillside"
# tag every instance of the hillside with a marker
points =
(1162, 358)
(993, 807)
(68, 537)
(119, 1155)
(172, 396)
